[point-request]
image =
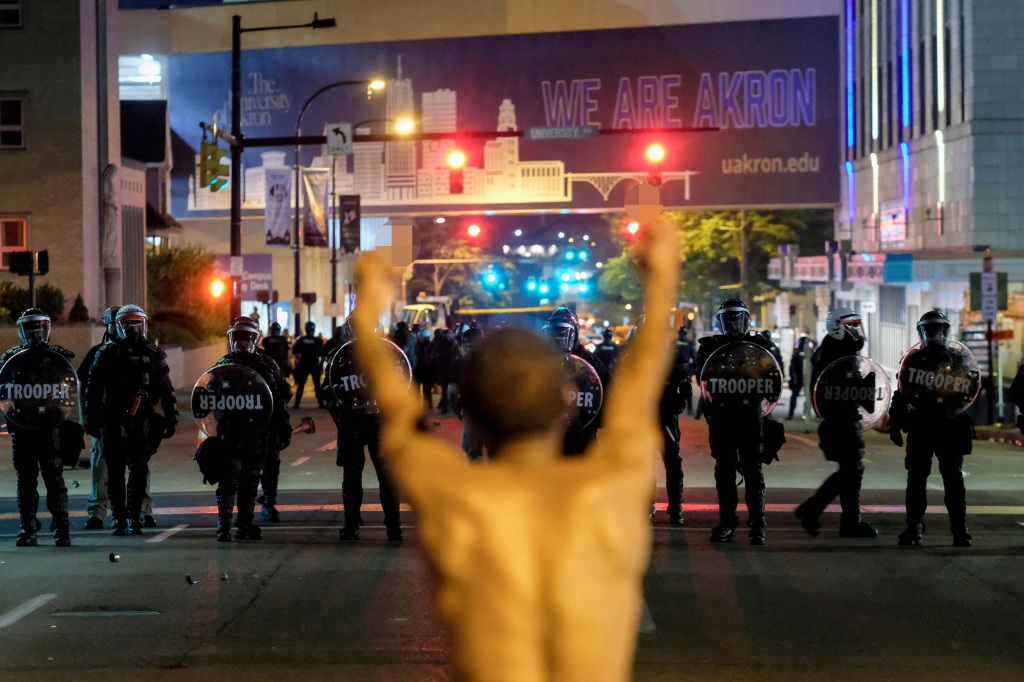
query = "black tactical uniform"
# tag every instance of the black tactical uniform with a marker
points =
(246, 453)
(736, 438)
(840, 434)
(309, 352)
(357, 433)
(38, 451)
(677, 394)
(126, 380)
(949, 440)
(607, 352)
(276, 346)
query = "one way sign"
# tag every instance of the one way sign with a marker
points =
(339, 138)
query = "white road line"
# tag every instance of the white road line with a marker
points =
(168, 533)
(300, 460)
(18, 612)
(330, 446)
(646, 621)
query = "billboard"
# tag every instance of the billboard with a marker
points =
(764, 96)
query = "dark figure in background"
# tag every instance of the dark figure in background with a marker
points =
(735, 438)
(309, 353)
(563, 331)
(796, 371)
(38, 451)
(840, 433)
(96, 505)
(607, 352)
(472, 445)
(276, 347)
(127, 379)
(247, 452)
(676, 395)
(359, 431)
(1016, 396)
(949, 439)
(424, 370)
(338, 339)
(444, 354)
(686, 353)
(411, 342)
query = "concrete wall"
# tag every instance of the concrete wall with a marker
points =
(188, 365)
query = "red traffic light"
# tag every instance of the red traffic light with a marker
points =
(473, 230)
(633, 227)
(217, 287)
(456, 159)
(655, 153)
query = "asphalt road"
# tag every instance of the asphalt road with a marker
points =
(177, 605)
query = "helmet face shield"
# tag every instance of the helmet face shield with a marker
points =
(34, 330)
(132, 329)
(243, 341)
(734, 321)
(562, 336)
(933, 332)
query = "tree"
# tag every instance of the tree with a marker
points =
(179, 303)
(78, 312)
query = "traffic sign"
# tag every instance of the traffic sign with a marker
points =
(339, 138)
(989, 308)
(563, 133)
(1000, 335)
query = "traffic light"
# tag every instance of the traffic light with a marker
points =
(211, 171)
(217, 287)
(21, 262)
(456, 160)
(473, 230)
(655, 154)
(632, 228)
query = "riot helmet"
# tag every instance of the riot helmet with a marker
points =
(733, 317)
(684, 333)
(275, 329)
(607, 334)
(310, 328)
(132, 323)
(34, 327)
(843, 322)
(933, 327)
(471, 337)
(108, 319)
(243, 335)
(562, 329)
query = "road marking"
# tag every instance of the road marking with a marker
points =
(646, 621)
(168, 533)
(803, 439)
(19, 612)
(300, 460)
(934, 486)
(103, 614)
(330, 446)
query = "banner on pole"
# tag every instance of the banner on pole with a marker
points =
(277, 219)
(315, 184)
(348, 209)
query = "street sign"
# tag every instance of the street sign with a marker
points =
(999, 335)
(563, 133)
(989, 308)
(339, 138)
(988, 284)
(867, 307)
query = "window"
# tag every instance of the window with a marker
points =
(12, 238)
(10, 14)
(12, 123)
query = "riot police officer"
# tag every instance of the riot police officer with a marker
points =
(608, 351)
(676, 395)
(840, 433)
(358, 432)
(309, 352)
(276, 346)
(247, 452)
(930, 434)
(36, 451)
(686, 352)
(126, 380)
(563, 331)
(735, 435)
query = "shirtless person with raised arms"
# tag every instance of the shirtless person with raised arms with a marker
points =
(539, 559)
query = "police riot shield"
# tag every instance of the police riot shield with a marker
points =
(741, 377)
(232, 401)
(585, 395)
(940, 380)
(38, 388)
(852, 387)
(347, 382)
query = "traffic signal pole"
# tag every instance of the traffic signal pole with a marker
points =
(236, 162)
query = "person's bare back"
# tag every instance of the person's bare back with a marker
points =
(539, 559)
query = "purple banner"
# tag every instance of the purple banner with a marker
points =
(765, 94)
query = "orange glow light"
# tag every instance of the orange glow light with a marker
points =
(633, 227)
(456, 159)
(217, 288)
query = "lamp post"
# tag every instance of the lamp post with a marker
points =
(370, 87)
(238, 144)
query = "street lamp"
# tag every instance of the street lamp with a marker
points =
(237, 146)
(371, 87)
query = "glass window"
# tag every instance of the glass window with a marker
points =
(10, 14)
(13, 232)
(12, 123)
